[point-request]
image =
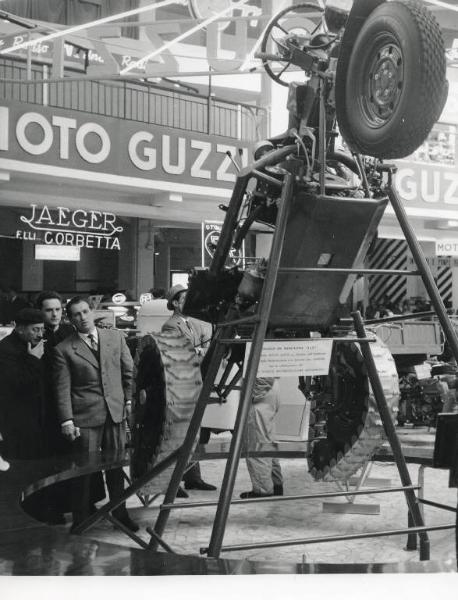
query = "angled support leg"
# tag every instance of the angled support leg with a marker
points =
(265, 305)
(412, 502)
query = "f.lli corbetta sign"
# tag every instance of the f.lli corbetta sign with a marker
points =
(65, 227)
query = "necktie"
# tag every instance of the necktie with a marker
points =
(93, 341)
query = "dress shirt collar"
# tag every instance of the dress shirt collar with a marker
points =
(85, 336)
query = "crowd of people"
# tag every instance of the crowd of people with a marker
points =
(67, 390)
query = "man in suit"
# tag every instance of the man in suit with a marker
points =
(50, 305)
(93, 372)
(199, 334)
(56, 330)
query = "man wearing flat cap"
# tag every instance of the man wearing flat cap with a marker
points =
(21, 393)
(198, 332)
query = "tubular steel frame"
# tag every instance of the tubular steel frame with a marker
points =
(261, 320)
(225, 336)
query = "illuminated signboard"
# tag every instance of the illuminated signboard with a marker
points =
(66, 227)
(53, 252)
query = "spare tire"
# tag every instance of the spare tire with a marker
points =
(346, 427)
(168, 384)
(394, 86)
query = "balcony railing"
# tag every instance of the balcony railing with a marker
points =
(146, 103)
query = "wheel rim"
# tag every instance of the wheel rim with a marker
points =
(382, 86)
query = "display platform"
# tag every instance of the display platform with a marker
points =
(28, 547)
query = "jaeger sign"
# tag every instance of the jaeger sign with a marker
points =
(65, 227)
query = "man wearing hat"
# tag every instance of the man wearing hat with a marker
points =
(199, 334)
(21, 389)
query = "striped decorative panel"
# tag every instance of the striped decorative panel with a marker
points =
(388, 254)
(444, 280)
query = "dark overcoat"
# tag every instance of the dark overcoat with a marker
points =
(21, 400)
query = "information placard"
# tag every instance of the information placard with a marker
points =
(295, 357)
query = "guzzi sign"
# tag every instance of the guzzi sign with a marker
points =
(65, 227)
(115, 147)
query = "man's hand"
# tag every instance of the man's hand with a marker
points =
(128, 413)
(37, 350)
(70, 432)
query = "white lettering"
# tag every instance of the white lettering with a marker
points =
(149, 153)
(165, 61)
(59, 238)
(64, 125)
(62, 216)
(428, 178)
(450, 196)
(37, 119)
(4, 128)
(79, 223)
(105, 144)
(238, 43)
(45, 216)
(179, 167)
(406, 184)
(447, 248)
(196, 167)
(68, 49)
(95, 216)
(221, 173)
(109, 220)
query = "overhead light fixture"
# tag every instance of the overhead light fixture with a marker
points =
(5, 176)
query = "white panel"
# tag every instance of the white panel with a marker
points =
(52, 252)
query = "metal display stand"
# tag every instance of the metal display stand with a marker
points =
(351, 506)
(225, 337)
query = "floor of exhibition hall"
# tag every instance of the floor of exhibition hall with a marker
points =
(189, 529)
